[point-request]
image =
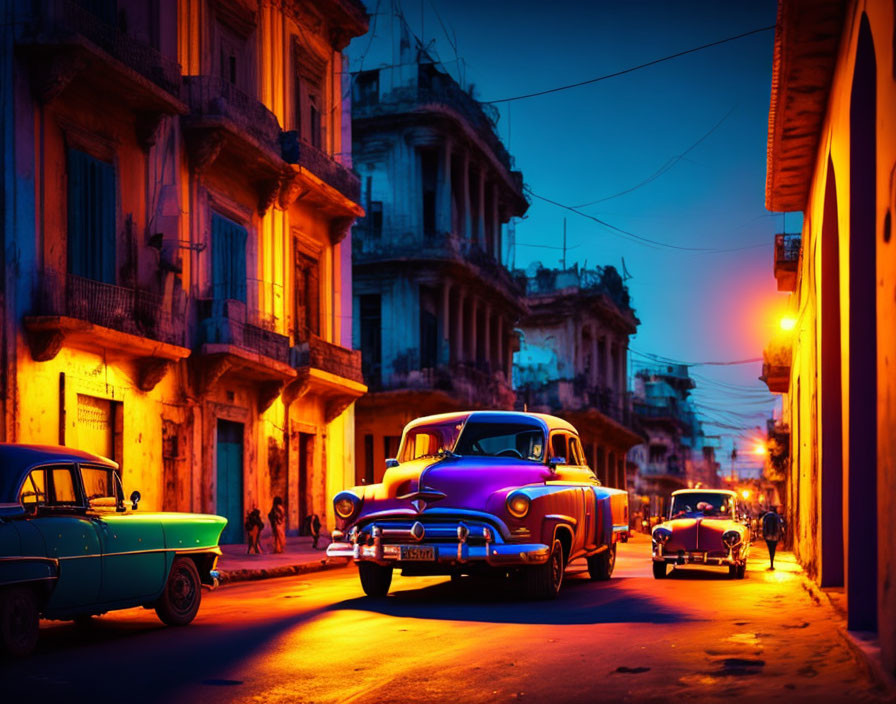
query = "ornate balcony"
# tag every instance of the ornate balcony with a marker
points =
(787, 259)
(327, 183)
(131, 322)
(226, 123)
(230, 344)
(327, 371)
(66, 42)
(776, 361)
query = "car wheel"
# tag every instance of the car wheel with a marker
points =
(659, 570)
(19, 621)
(543, 581)
(375, 579)
(600, 566)
(183, 591)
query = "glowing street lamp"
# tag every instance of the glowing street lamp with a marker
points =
(746, 494)
(787, 323)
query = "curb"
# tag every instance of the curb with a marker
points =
(251, 575)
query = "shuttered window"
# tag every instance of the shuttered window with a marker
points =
(307, 295)
(228, 259)
(91, 217)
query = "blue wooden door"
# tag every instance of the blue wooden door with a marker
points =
(230, 479)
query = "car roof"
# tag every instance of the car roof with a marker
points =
(704, 491)
(17, 460)
(550, 422)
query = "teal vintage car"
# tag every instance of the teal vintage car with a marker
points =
(72, 548)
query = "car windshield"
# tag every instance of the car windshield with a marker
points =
(429, 440)
(706, 505)
(520, 439)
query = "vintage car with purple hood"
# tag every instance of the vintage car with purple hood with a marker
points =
(702, 530)
(482, 492)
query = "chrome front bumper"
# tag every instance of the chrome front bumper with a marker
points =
(457, 554)
(700, 558)
(390, 544)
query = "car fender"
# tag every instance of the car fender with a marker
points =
(21, 570)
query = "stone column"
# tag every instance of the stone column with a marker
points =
(496, 220)
(459, 328)
(501, 343)
(488, 337)
(474, 332)
(595, 375)
(608, 362)
(480, 212)
(466, 220)
(443, 201)
(445, 338)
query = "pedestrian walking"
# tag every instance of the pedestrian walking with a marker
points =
(314, 529)
(772, 531)
(254, 525)
(277, 517)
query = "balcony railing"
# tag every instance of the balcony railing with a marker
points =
(476, 387)
(321, 164)
(211, 96)
(574, 395)
(319, 354)
(59, 19)
(227, 322)
(130, 310)
(436, 89)
(397, 243)
(787, 257)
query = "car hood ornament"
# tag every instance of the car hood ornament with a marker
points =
(422, 498)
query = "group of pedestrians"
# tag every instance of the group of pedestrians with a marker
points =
(277, 517)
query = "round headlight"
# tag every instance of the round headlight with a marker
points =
(731, 538)
(662, 535)
(345, 504)
(518, 505)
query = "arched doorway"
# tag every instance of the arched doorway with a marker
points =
(861, 486)
(830, 410)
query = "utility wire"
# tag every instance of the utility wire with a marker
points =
(646, 241)
(667, 360)
(633, 68)
(665, 167)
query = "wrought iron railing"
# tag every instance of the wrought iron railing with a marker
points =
(134, 311)
(56, 19)
(213, 96)
(228, 322)
(323, 355)
(321, 164)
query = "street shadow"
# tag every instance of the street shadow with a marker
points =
(143, 661)
(493, 600)
(697, 574)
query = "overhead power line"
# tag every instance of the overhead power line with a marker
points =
(632, 68)
(646, 241)
(667, 360)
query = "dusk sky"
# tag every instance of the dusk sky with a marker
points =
(673, 153)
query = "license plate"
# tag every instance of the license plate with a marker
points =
(420, 553)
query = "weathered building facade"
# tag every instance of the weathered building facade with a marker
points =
(831, 151)
(177, 271)
(435, 307)
(573, 360)
(677, 454)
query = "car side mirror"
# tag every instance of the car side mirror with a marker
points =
(135, 499)
(554, 461)
(392, 462)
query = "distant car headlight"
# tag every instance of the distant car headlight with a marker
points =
(662, 535)
(345, 504)
(518, 505)
(731, 538)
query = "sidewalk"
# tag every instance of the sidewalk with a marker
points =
(235, 565)
(864, 646)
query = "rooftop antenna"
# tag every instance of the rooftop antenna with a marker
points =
(563, 261)
(625, 274)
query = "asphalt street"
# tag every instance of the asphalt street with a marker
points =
(697, 635)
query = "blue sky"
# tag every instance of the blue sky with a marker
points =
(693, 128)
